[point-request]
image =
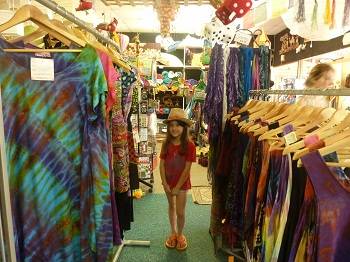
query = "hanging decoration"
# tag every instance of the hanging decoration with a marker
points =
(314, 16)
(300, 17)
(333, 15)
(84, 5)
(319, 20)
(237, 7)
(328, 13)
(111, 27)
(346, 13)
(166, 10)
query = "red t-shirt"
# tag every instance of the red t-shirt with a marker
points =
(175, 163)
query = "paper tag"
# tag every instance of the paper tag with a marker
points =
(243, 38)
(290, 138)
(42, 69)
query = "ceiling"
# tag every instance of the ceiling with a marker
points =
(152, 2)
(145, 19)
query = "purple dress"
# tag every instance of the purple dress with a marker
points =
(333, 213)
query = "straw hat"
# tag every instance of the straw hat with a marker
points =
(178, 114)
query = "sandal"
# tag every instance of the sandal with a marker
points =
(181, 243)
(171, 242)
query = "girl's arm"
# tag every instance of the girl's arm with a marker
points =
(184, 175)
(162, 176)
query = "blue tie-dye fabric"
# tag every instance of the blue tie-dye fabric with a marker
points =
(57, 153)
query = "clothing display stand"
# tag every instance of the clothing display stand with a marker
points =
(7, 247)
(130, 243)
(71, 17)
(308, 92)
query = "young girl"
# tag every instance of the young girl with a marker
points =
(176, 158)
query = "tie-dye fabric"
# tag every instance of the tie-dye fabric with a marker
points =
(57, 153)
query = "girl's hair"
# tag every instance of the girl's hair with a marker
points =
(317, 72)
(184, 139)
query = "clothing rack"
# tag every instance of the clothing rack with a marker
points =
(311, 92)
(5, 211)
(71, 17)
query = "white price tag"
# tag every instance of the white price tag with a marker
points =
(243, 38)
(290, 138)
(42, 69)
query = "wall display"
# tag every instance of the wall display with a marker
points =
(287, 51)
(143, 134)
(317, 22)
(143, 120)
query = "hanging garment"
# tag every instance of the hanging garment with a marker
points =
(333, 214)
(261, 198)
(264, 67)
(246, 59)
(112, 77)
(254, 157)
(232, 75)
(120, 144)
(213, 106)
(57, 152)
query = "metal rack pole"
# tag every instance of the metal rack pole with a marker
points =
(71, 17)
(6, 213)
(311, 92)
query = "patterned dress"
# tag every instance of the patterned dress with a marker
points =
(57, 153)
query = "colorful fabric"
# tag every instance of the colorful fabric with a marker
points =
(213, 106)
(57, 154)
(175, 163)
(128, 83)
(232, 75)
(246, 79)
(119, 130)
(333, 214)
(112, 77)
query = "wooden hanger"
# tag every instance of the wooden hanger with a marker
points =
(275, 111)
(249, 106)
(265, 109)
(336, 119)
(258, 129)
(271, 134)
(333, 144)
(336, 139)
(32, 13)
(325, 115)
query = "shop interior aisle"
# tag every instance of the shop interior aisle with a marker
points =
(151, 223)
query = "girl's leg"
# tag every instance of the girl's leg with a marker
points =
(180, 211)
(172, 212)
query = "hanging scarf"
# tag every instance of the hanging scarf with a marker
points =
(246, 58)
(314, 16)
(256, 69)
(232, 75)
(291, 4)
(301, 12)
(264, 67)
(214, 99)
(327, 13)
(333, 14)
(346, 13)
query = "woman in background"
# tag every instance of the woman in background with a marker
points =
(321, 77)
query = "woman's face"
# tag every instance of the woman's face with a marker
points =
(326, 80)
(175, 129)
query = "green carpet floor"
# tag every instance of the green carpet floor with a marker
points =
(151, 223)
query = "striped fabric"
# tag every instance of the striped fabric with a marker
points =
(57, 154)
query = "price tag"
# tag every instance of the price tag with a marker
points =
(243, 38)
(290, 138)
(42, 69)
